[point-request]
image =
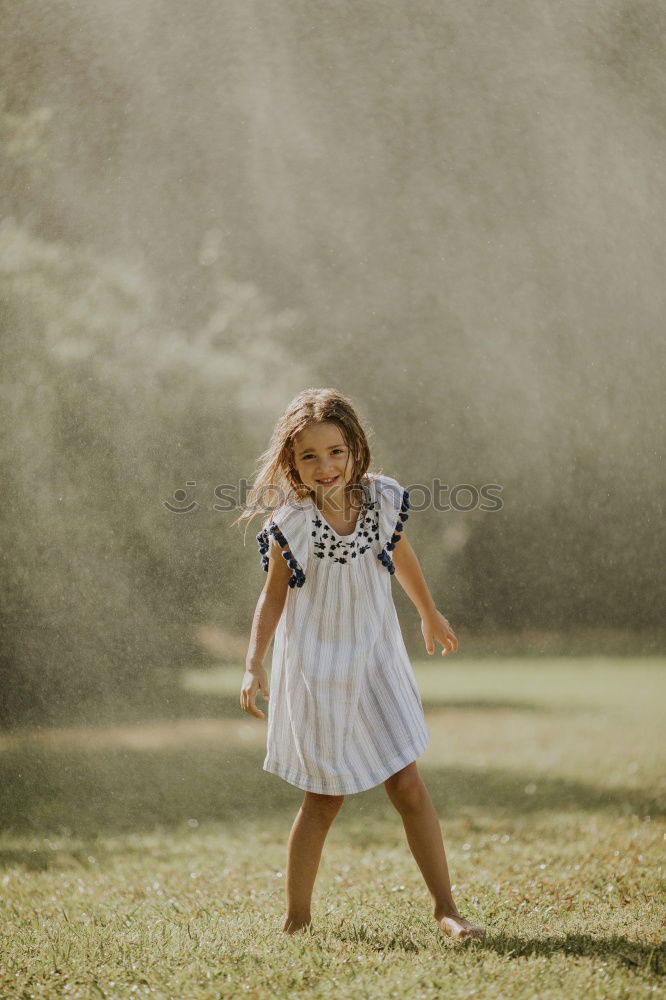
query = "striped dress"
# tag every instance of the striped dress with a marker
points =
(344, 711)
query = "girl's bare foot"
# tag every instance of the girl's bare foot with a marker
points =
(293, 924)
(456, 927)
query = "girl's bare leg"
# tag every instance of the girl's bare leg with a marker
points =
(306, 842)
(410, 797)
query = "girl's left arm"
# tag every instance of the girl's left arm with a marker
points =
(409, 575)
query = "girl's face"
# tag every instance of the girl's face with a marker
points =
(322, 459)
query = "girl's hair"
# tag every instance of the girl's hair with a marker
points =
(277, 481)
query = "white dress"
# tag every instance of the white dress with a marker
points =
(344, 711)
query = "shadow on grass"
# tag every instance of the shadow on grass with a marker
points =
(95, 793)
(166, 704)
(497, 705)
(635, 955)
(183, 704)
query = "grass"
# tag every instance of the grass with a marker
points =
(147, 859)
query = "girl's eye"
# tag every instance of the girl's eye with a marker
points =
(312, 456)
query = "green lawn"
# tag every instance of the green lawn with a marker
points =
(147, 859)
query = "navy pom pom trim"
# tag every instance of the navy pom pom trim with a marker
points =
(297, 578)
(384, 557)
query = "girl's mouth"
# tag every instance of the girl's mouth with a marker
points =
(327, 482)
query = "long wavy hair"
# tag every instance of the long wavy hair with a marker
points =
(277, 481)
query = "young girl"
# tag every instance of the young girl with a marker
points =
(345, 712)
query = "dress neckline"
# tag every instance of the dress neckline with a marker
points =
(359, 517)
(330, 528)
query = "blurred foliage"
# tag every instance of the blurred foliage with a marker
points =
(104, 411)
(24, 152)
(452, 214)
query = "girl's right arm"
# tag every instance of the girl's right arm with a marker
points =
(266, 617)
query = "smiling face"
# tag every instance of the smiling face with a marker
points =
(323, 460)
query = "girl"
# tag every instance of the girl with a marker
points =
(345, 712)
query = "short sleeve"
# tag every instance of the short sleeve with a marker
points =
(393, 512)
(289, 527)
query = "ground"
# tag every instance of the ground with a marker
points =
(147, 858)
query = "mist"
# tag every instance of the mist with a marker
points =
(451, 212)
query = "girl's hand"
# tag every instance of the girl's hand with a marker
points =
(253, 680)
(436, 626)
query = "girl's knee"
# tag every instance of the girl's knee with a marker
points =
(326, 806)
(406, 789)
